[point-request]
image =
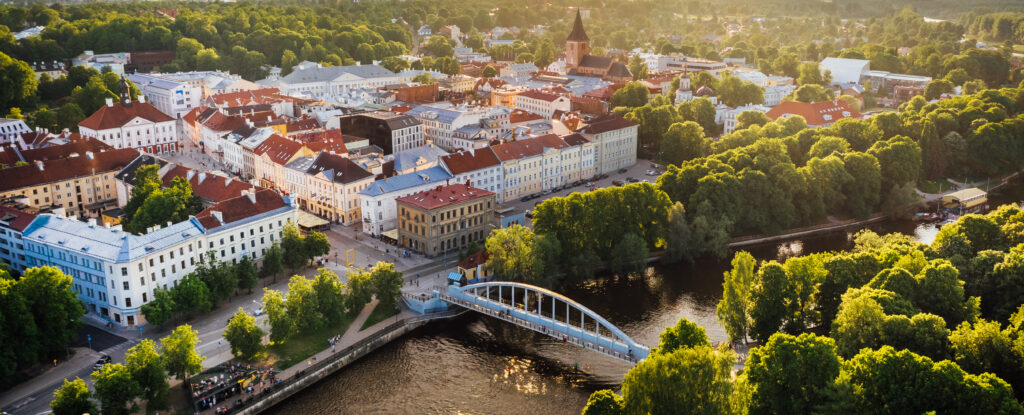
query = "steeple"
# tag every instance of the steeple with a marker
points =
(125, 92)
(578, 34)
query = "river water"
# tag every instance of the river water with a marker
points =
(477, 365)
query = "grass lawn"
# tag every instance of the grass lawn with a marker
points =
(378, 315)
(301, 347)
(934, 186)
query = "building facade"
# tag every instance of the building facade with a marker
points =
(171, 97)
(615, 142)
(378, 199)
(132, 124)
(445, 219)
(390, 131)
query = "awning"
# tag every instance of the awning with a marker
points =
(454, 276)
(310, 221)
(391, 234)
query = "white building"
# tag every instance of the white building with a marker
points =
(378, 199)
(845, 71)
(442, 119)
(480, 167)
(726, 116)
(114, 61)
(319, 82)
(11, 131)
(132, 124)
(542, 103)
(615, 142)
(172, 97)
(211, 82)
(773, 94)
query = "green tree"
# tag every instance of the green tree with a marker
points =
(116, 389)
(638, 68)
(69, 115)
(179, 352)
(273, 261)
(510, 251)
(72, 398)
(191, 295)
(936, 88)
(245, 337)
(17, 82)
(300, 301)
(810, 93)
(629, 257)
(767, 301)
(685, 334)
(281, 325)
(147, 369)
(288, 61)
(792, 374)
(633, 95)
(678, 236)
(732, 310)
(294, 247)
(161, 309)
(748, 118)
(858, 324)
(245, 272)
(360, 291)
(387, 284)
(489, 72)
(424, 79)
(54, 308)
(330, 295)
(811, 74)
(686, 381)
(315, 244)
(684, 141)
(394, 64)
(604, 402)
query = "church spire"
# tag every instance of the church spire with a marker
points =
(125, 92)
(578, 34)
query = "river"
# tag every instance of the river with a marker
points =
(477, 365)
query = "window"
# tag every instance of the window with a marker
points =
(142, 280)
(125, 283)
(144, 298)
(124, 273)
(128, 302)
(140, 267)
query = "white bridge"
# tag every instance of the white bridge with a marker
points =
(547, 312)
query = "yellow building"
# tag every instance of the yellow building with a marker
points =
(967, 200)
(445, 219)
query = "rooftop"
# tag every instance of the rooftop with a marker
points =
(442, 196)
(435, 174)
(241, 207)
(50, 171)
(467, 161)
(117, 115)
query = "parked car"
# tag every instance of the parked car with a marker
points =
(524, 199)
(623, 170)
(593, 187)
(651, 173)
(99, 363)
(604, 176)
(258, 312)
(529, 214)
(632, 179)
(618, 182)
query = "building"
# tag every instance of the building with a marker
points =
(445, 219)
(114, 273)
(171, 97)
(615, 142)
(132, 124)
(416, 159)
(83, 184)
(319, 82)
(845, 71)
(53, 69)
(392, 132)
(474, 267)
(532, 165)
(11, 131)
(114, 62)
(773, 94)
(480, 167)
(332, 186)
(817, 114)
(579, 61)
(147, 61)
(211, 82)
(378, 199)
(516, 70)
(440, 121)
(542, 103)
(726, 116)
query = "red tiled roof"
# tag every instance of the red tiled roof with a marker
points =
(606, 123)
(117, 115)
(216, 121)
(493, 82)
(520, 116)
(207, 186)
(17, 219)
(241, 207)
(575, 139)
(329, 144)
(66, 168)
(604, 93)
(538, 95)
(279, 149)
(814, 112)
(66, 150)
(303, 125)
(527, 147)
(472, 261)
(442, 196)
(256, 96)
(466, 161)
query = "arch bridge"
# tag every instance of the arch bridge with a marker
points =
(549, 313)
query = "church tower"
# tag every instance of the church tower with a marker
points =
(125, 92)
(577, 45)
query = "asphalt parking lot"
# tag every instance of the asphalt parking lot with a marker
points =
(636, 172)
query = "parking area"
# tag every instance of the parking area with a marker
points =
(637, 172)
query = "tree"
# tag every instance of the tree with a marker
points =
(301, 303)
(678, 236)
(936, 88)
(489, 72)
(638, 68)
(810, 93)
(72, 398)
(510, 252)
(316, 244)
(245, 272)
(294, 247)
(862, 193)
(684, 141)
(116, 389)
(281, 325)
(734, 92)
(360, 291)
(273, 261)
(152, 205)
(245, 337)
(424, 79)
(330, 295)
(632, 95)
(686, 381)
(161, 309)
(288, 61)
(15, 114)
(387, 284)
(545, 54)
(811, 74)
(147, 369)
(69, 115)
(767, 301)
(900, 160)
(44, 118)
(207, 60)
(792, 374)
(858, 324)
(394, 64)
(179, 352)
(191, 295)
(732, 310)
(685, 334)
(17, 82)
(748, 118)
(604, 402)
(629, 256)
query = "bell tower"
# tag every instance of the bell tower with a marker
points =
(577, 45)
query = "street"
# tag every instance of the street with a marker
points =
(636, 171)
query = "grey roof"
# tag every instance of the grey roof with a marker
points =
(301, 164)
(127, 174)
(434, 174)
(409, 158)
(435, 112)
(146, 80)
(321, 74)
(110, 245)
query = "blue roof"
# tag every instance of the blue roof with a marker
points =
(435, 112)
(436, 174)
(110, 245)
(454, 276)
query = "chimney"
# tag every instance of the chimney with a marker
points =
(467, 182)
(92, 222)
(39, 164)
(219, 216)
(250, 195)
(110, 102)
(89, 155)
(142, 99)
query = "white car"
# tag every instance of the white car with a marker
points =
(651, 173)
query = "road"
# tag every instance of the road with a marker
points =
(636, 172)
